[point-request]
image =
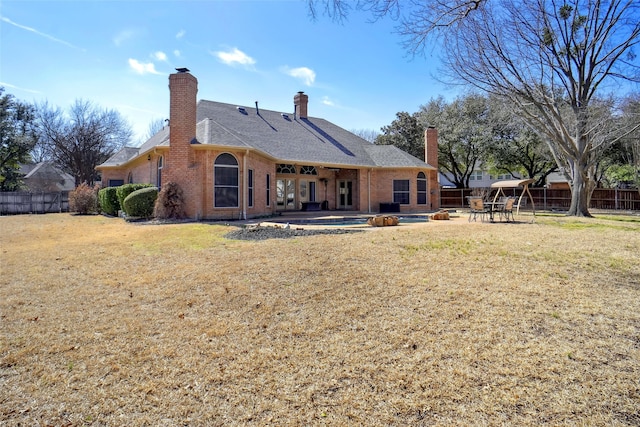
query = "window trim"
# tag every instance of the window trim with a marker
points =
(397, 193)
(217, 186)
(159, 172)
(268, 187)
(250, 187)
(421, 179)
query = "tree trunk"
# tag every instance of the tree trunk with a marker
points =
(580, 192)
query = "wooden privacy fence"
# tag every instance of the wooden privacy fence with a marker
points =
(553, 199)
(25, 203)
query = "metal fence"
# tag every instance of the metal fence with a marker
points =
(12, 203)
(552, 199)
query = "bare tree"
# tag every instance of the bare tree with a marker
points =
(551, 58)
(83, 138)
(155, 126)
(366, 134)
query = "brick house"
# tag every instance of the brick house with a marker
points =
(243, 162)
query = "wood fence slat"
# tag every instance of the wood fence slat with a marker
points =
(555, 199)
(12, 203)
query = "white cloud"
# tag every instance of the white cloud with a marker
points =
(177, 53)
(327, 101)
(160, 56)
(235, 56)
(142, 68)
(307, 75)
(122, 37)
(9, 85)
(33, 30)
(180, 34)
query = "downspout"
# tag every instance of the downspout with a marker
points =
(245, 185)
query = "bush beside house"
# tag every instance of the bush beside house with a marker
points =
(140, 203)
(170, 202)
(124, 190)
(83, 199)
(108, 200)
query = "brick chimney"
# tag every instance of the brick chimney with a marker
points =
(431, 158)
(180, 166)
(300, 101)
(431, 146)
(183, 88)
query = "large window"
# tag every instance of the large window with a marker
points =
(268, 189)
(422, 188)
(476, 176)
(160, 167)
(250, 178)
(226, 180)
(501, 176)
(401, 191)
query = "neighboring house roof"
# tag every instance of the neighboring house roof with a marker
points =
(282, 137)
(45, 176)
(127, 154)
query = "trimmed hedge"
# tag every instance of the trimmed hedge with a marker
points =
(108, 200)
(124, 190)
(140, 203)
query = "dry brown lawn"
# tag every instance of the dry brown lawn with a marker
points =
(109, 323)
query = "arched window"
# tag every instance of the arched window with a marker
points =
(226, 179)
(130, 178)
(160, 167)
(283, 168)
(308, 170)
(422, 188)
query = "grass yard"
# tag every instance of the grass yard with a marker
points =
(106, 323)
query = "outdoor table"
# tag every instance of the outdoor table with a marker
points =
(494, 207)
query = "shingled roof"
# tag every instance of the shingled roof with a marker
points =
(283, 137)
(289, 139)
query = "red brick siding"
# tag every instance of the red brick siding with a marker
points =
(384, 189)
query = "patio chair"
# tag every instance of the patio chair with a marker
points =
(507, 210)
(477, 208)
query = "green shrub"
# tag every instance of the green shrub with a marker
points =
(140, 203)
(108, 200)
(170, 202)
(124, 190)
(83, 199)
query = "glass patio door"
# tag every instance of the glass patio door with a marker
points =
(286, 194)
(345, 194)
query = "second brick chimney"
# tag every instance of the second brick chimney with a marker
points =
(300, 101)
(431, 146)
(180, 166)
(431, 157)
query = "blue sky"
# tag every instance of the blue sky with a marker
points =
(118, 54)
